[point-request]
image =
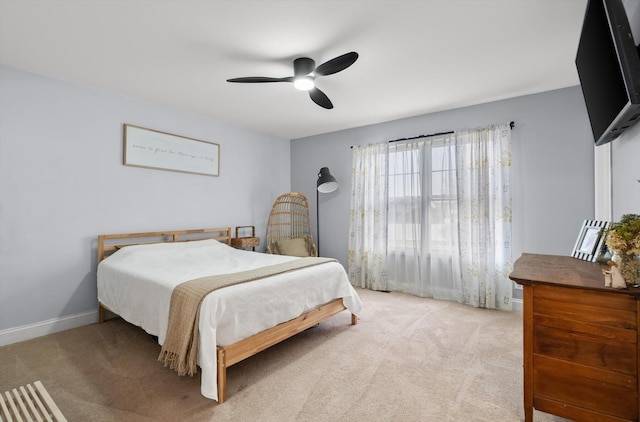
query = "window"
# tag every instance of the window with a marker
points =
(443, 200)
(422, 196)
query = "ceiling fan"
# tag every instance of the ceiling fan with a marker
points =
(304, 74)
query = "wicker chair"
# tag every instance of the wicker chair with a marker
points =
(289, 219)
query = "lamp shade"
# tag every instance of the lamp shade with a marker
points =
(326, 182)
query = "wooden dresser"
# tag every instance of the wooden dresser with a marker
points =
(581, 348)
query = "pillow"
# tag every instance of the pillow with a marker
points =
(292, 247)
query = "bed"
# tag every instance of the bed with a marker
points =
(137, 273)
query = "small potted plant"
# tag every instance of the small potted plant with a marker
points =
(623, 240)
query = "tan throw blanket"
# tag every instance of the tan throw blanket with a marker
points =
(180, 348)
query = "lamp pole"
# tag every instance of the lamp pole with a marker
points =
(318, 218)
(326, 184)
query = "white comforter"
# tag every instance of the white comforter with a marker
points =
(136, 283)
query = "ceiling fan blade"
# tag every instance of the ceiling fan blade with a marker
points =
(303, 66)
(337, 64)
(320, 98)
(260, 79)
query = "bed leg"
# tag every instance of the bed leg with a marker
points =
(100, 314)
(354, 319)
(222, 375)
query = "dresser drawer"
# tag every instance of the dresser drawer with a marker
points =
(607, 309)
(586, 297)
(587, 388)
(614, 349)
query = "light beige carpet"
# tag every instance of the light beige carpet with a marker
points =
(408, 359)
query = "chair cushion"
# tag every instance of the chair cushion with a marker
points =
(292, 247)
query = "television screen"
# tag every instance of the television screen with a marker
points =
(608, 66)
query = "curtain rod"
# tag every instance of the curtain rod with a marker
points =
(422, 136)
(511, 125)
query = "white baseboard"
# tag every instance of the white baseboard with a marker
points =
(43, 328)
(517, 305)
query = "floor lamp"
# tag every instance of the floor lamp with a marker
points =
(326, 184)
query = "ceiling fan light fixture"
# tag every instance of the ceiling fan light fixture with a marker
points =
(304, 83)
(305, 73)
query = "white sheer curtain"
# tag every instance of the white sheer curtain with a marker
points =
(432, 217)
(484, 214)
(422, 257)
(368, 217)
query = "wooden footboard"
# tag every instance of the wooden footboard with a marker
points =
(236, 352)
(239, 351)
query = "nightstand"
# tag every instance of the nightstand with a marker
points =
(247, 241)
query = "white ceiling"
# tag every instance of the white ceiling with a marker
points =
(416, 57)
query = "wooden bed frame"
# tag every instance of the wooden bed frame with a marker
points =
(236, 352)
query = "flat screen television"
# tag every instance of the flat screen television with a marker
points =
(608, 64)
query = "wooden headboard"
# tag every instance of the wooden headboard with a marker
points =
(109, 243)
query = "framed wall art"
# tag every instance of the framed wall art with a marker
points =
(590, 243)
(165, 151)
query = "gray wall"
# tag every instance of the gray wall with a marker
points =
(553, 167)
(625, 173)
(62, 183)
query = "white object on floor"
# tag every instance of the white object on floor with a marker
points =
(26, 403)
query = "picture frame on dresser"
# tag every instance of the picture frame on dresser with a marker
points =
(590, 244)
